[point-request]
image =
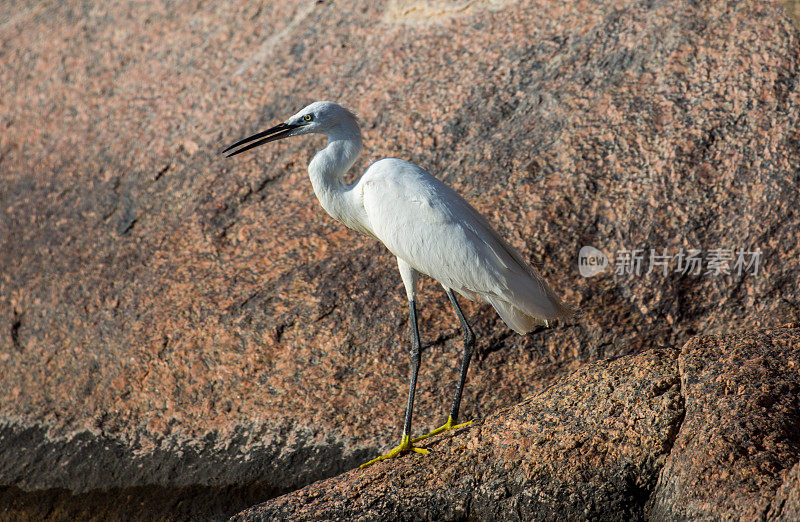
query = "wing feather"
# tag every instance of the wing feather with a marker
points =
(432, 228)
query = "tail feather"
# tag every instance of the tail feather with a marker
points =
(523, 321)
(515, 318)
(531, 294)
(534, 302)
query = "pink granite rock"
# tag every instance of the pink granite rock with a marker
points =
(172, 319)
(707, 433)
(741, 436)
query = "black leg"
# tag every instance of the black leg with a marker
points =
(415, 360)
(469, 345)
(406, 442)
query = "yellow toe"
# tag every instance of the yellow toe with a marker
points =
(447, 426)
(405, 445)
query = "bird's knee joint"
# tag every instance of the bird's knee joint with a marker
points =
(469, 340)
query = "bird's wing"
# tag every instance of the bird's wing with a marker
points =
(427, 224)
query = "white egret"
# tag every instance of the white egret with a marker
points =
(429, 227)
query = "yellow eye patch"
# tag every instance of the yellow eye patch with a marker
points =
(307, 117)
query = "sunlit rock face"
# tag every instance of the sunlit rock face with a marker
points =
(707, 431)
(172, 319)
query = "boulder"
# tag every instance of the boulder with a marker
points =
(707, 433)
(588, 447)
(171, 319)
(740, 440)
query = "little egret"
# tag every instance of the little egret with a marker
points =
(429, 227)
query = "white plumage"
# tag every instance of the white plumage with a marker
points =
(436, 232)
(429, 227)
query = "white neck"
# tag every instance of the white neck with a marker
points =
(328, 167)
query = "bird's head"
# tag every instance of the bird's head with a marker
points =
(320, 117)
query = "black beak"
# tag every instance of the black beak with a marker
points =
(277, 132)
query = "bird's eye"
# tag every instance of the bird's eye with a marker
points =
(307, 117)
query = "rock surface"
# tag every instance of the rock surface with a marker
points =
(717, 425)
(741, 435)
(171, 319)
(786, 504)
(586, 447)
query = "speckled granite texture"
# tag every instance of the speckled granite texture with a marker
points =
(172, 319)
(723, 414)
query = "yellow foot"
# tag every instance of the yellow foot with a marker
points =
(448, 426)
(405, 445)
